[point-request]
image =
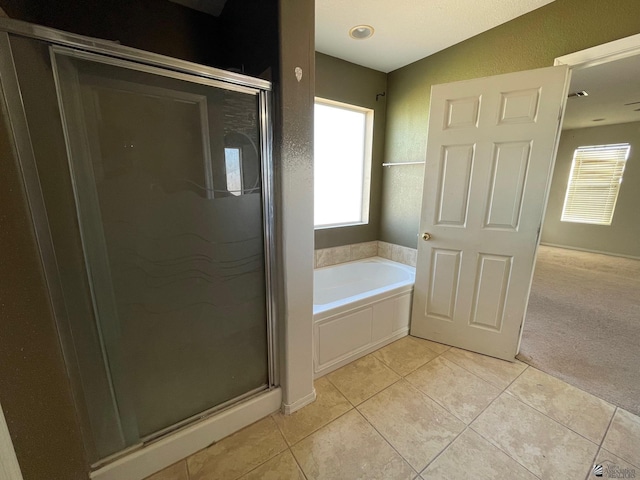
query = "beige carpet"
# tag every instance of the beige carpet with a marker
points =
(583, 323)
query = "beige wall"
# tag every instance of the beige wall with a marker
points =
(527, 42)
(349, 83)
(621, 237)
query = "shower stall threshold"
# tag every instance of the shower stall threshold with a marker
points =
(173, 447)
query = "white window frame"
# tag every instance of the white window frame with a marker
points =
(368, 149)
(586, 180)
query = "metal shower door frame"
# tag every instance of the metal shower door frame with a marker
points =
(115, 54)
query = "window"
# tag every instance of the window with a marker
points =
(342, 163)
(233, 167)
(596, 174)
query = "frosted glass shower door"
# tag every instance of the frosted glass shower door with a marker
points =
(167, 171)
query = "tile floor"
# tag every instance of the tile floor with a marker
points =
(420, 410)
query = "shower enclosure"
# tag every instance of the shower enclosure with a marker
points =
(150, 184)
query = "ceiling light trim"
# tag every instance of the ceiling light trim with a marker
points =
(361, 32)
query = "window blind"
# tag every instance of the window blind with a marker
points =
(594, 183)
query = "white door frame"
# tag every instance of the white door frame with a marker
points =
(607, 52)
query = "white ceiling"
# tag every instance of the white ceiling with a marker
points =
(407, 30)
(610, 87)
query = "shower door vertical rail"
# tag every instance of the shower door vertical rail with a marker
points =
(269, 219)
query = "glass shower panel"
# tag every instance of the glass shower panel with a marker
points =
(167, 178)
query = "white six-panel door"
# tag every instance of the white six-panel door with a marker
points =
(490, 151)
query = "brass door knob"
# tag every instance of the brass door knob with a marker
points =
(426, 236)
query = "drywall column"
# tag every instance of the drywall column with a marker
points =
(293, 142)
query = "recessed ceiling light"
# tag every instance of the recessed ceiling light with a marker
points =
(360, 32)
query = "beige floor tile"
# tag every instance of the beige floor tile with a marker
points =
(239, 453)
(623, 437)
(281, 467)
(615, 467)
(580, 411)
(329, 405)
(405, 355)
(417, 427)
(363, 378)
(439, 348)
(497, 372)
(350, 448)
(546, 448)
(459, 391)
(177, 471)
(471, 456)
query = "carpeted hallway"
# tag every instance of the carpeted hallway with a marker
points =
(583, 323)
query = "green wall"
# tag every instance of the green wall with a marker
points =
(349, 83)
(531, 41)
(621, 237)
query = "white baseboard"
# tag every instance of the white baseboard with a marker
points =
(173, 448)
(569, 247)
(288, 409)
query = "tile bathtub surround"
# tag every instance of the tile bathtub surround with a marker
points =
(455, 415)
(356, 251)
(398, 253)
(345, 253)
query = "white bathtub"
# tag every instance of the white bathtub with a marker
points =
(359, 307)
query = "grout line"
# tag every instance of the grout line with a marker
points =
(400, 377)
(593, 463)
(415, 369)
(466, 427)
(535, 410)
(605, 436)
(571, 385)
(504, 392)
(557, 421)
(485, 380)
(319, 428)
(608, 426)
(388, 442)
(298, 463)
